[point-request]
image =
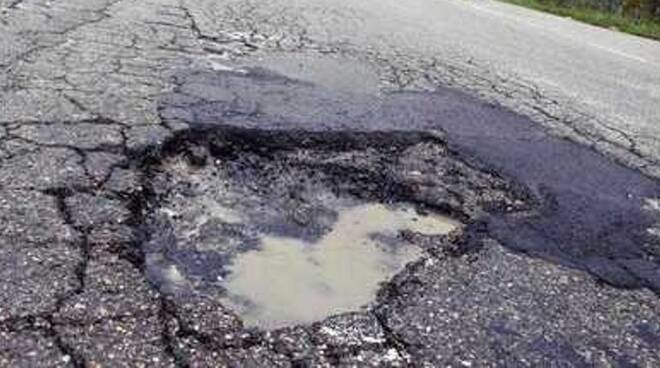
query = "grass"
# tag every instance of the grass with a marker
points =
(644, 27)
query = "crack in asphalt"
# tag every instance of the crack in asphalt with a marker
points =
(23, 56)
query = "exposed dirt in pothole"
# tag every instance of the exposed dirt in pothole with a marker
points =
(291, 227)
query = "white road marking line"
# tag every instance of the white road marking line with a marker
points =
(483, 8)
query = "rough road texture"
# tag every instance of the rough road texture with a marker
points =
(90, 101)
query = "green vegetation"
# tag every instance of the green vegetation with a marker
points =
(645, 26)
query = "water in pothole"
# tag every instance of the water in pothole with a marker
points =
(288, 281)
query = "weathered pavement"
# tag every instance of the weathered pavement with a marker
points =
(98, 96)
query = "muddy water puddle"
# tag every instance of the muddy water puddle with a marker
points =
(288, 281)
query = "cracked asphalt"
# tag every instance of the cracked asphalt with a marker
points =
(111, 111)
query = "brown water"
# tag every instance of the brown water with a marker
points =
(289, 281)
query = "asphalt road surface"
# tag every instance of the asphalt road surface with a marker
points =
(145, 146)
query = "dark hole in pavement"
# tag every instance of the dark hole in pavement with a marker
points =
(281, 157)
(291, 227)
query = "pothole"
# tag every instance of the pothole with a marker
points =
(288, 228)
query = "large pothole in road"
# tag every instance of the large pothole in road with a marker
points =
(291, 227)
